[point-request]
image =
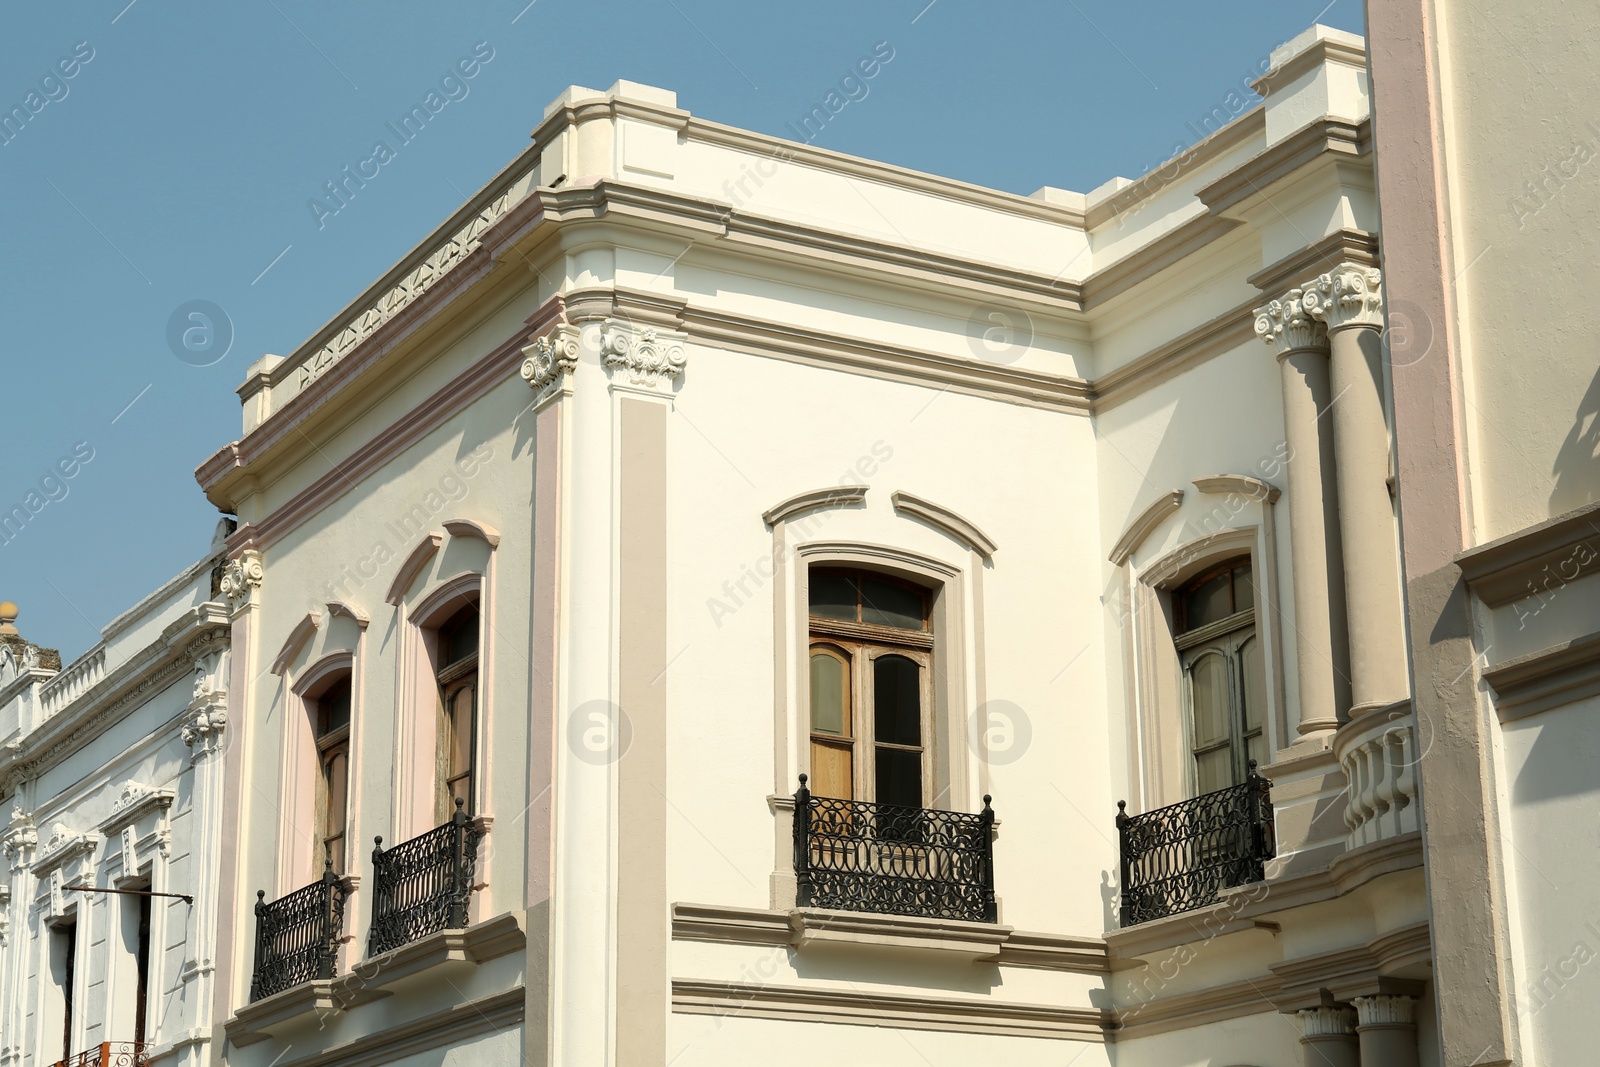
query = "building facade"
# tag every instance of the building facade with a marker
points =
(743, 578)
(1490, 213)
(110, 773)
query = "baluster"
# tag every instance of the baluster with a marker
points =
(802, 845)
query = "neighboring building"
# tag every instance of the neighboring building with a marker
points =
(1487, 140)
(818, 466)
(110, 772)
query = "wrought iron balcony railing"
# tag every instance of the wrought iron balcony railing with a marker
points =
(857, 856)
(297, 936)
(422, 886)
(110, 1054)
(1180, 857)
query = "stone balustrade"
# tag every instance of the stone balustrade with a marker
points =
(1378, 751)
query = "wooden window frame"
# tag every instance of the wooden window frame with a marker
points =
(329, 742)
(449, 680)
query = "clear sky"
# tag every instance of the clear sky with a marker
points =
(172, 147)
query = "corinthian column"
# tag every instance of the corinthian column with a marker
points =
(1321, 651)
(1387, 1030)
(1349, 301)
(1328, 1038)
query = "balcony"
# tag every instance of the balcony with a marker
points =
(422, 886)
(110, 1054)
(852, 855)
(1181, 857)
(297, 936)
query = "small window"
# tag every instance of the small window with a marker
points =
(1224, 677)
(871, 660)
(457, 677)
(330, 711)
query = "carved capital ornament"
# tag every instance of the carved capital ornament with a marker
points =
(647, 357)
(1287, 325)
(1346, 296)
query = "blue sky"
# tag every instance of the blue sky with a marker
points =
(177, 161)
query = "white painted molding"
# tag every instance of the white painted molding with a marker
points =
(1348, 295)
(412, 567)
(1243, 484)
(837, 496)
(646, 357)
(240, 577)
(1285, 324)
(944, 519)
(467, 528)
(1158, 512)
(551, 359)
(295, 641)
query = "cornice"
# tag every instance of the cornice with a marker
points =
(889, 362)
(1226, 332)
(1549, 678)
(1535, 560)
(1149, 260)
(1154, 514)
(942, 518)
(1342, 246)
(1326, 137)
(492, 1014)
(1252, 123)
(1236, 1000)
(201, 630)
(834, 496)
(855, 1007)
(135, 802)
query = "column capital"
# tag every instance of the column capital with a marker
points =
(1327, 1021)
(241, 577)
(1346, 296)
(1287, 325)
(1386, 1009)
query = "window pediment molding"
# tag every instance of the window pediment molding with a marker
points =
(1245, 485)
(834, 496)
(412, 567)
(1188, 559)
(297, 639)
(1154, 514)
(63, 846)
(942, 518)
(468, 528)
(134, 802)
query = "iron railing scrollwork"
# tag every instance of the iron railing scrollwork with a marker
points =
(858, 856)
(297, 936)
(111, 1054)
(424, 885)
(1180, 857)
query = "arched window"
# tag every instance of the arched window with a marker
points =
(871, 658)
(330, 722)
(1224, 676)
(457, 676)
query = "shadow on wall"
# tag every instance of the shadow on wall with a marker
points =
(1577, 468)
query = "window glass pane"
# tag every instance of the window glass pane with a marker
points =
(1254, 675)
(887, 604)
(833, 596)
(1214, 770)
(336, 772)
(458, 638)
(461, 729)
(830, 711)
(1208, 697)
(899, 778)
(1207, 602)
(897, 700)
(1244, 588)
(333, 707)
(831, 767)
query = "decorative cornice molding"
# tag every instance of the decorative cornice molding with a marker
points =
(1537, 560)
(242, 576)
(412, 567)
(1252, 123)
(1329, 137)
(295, 642)
(837, 496)
(1287, 326)
(1154, 514)
(550, 360)
(1345, 297)
(1236, 1000)
(62, 846)
(1356, 247)
(1245, 485)
(942, 518)
(1322, 51)
(338, 609)
(1549, 678)
(1151, 258)
(907, 1012)
(1226, 332)
(646, 357)
(134, 801)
